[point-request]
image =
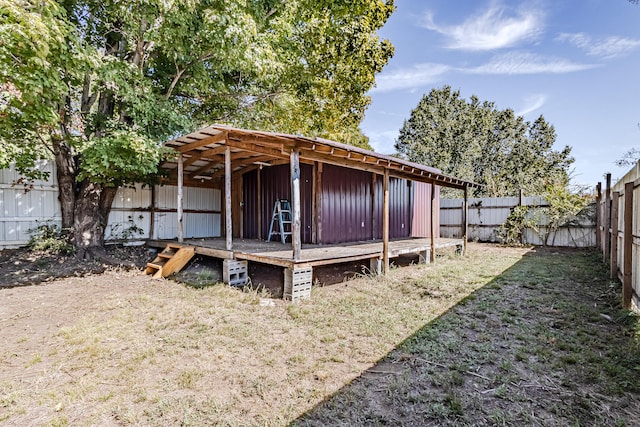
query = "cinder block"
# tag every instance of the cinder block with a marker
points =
(375, 266)
(424, 257)
(234, 272)
(297, 283)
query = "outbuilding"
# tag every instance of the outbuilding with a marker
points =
(300, 202)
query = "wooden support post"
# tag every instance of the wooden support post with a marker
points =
(152, 213)
(432, 223)
(179, 208)
(627, 246)
(607, 219)
(259, 194)
(614, 236)
(228, 224)
(385, 223)
(296, 240)
(316, 230)
(465, 220)
(598, 216)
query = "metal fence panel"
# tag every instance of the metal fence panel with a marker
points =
(486, 215)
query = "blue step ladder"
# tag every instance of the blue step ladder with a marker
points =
(280, 220)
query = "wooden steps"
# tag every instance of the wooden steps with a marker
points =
(171, 260)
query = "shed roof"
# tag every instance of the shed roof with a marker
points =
(203, 156)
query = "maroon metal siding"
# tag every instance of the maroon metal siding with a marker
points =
(250, 205)
(276, 184)
(346, 205)
(400, 207)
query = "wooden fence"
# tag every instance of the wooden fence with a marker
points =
(487, 215)
(618, 237)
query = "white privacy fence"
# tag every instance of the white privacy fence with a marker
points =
(137, 213)
(487, 215)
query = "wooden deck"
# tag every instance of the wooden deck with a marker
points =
(275, 253)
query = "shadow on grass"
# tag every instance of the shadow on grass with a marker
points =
(544, 343)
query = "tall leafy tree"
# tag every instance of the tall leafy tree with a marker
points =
(476, 141)
(96, 84)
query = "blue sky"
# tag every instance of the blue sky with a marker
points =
(577, 62)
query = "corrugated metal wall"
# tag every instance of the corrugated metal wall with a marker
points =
(20, 211)
(250, 202)
(486, 215)
(346, 205)
(350, 212)
(421, 224)
(276, 184)
(400, 208)
(195, 224)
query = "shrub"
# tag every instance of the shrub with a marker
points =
(50, 238)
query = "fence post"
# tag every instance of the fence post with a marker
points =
(520, 205)
(607, 219)
(614, 236)
(598, 216)
(627, 288)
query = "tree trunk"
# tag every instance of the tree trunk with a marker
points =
(66, 173)
(93, 204)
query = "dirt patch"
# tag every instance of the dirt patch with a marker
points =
(21, 267)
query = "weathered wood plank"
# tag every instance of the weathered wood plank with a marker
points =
(296, 239)
(385, 223)
(180, 190)
(227, 198)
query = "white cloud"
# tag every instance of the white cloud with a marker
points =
(532, 103)
(604, 47)
(383, 141)
(528, 63)
(496, 28)
(409, 78)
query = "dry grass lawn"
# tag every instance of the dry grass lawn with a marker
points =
(122, 349)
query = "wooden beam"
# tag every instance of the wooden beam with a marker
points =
(432, 223)
(338, 161)
(227, 197)
(201, 143)
(296, 240)
(613, 273)
(180, 187)
(254, 148)
(385, 223)
(627, 284)
(201, 170)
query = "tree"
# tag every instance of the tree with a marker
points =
(476, 141)
(97, 84)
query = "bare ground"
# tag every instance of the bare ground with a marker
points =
(505, 336)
